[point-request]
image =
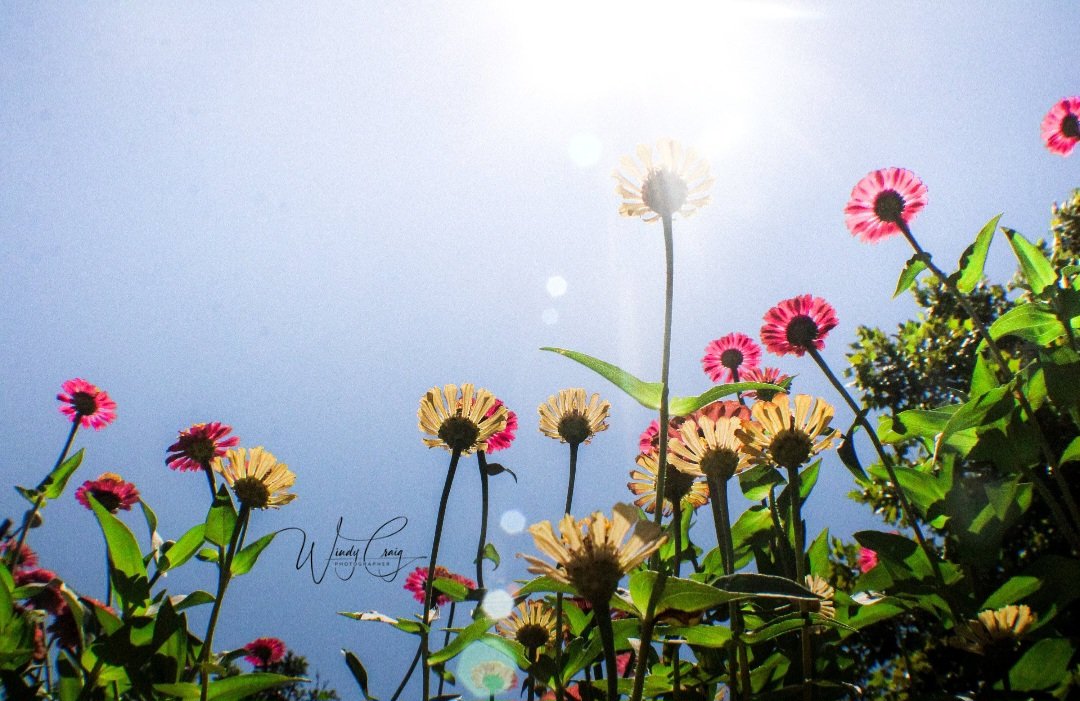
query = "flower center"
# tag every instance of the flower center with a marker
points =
(731, 359)
(85, 404)
(532, 636)
(719, 463)
(790, 448)
(664, 192)
(574, 428)
(251, 492)
(595, 575)
(889, 206)
(201, 450)
(1070, 126)
(802, 331)
(458, 433)
(107, 498)
(677, 484)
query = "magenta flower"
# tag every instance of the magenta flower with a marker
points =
(417, 581)
(881, 201)
(47, 599)
(26, 558)
(501, 440)
(796, 324)
(773, 376)
(1061, 126)
(110, 490)
(649, 440)
(263, 652)
(197, 447)
(85, 403)
(733, 353)
(867, 560)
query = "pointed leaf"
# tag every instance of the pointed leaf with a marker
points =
(452, 588)
(764, 585)
(646, 393)
(973, 260)
(490, 553)
(221, 519)
(124, 554)
(182, 550)
(1072, 452)
(1037, 270)
(494, 468)
(1044, 666)
(847, 454)
(53, 484)
(244, 560)
(909, 274)
(681, 406)
(1030, 323)
(471, 633)
(359, 673)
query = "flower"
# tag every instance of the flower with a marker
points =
(198, 445)
(48, 598)
(867, 559)
(649, 441)
(493, 676)
(26, 556)
(457, 419)
(773, 376)
(823, 589)
(532, 624)
(567, 417)
(1061, 126)
(710, 449)
(256, 477)
(676, 181)
(776, 436)
(263, 652)
(883, 201)
(590, 554)
(677, 485)
(794, 325)
(501, 440)
(85, 403)
(416, 582)
(991, 627)
(734, 353)
(110, 490)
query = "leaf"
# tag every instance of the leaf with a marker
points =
(195, 598)
(221, 519)
(1013, 590)
(646, 393)
(703, 636)
(1043, 666)
(986, 409)
(244, 560)
(1037, 270)
(182, 550)
(359, 673)
(909, 274)
(1029, 323)
(904, 557)
(973, 259)
(847, 454)
(125, 558)
(681, 406)
(208, 555)
(983, 377)
(545, 584)
(768, 586)
(1072, 452)
(471, 633)
(53, 484)
(229, 688)
(679, 594)
(452, 588)
(494, 468)
(490, 553)
(915, 423)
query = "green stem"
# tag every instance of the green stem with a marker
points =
(224, 576)
(560, 692)
(602, 616)
(39, 501)
(647, 625)
(446, 638)
(482, 462)
(740, 681)
(209, 472)
(429, 596)
(661, 471)
(676, 522)
(800, 573)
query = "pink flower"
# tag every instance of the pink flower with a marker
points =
(26, 558)
(197, 447)
(649, 440)
(85, 403)
(881, 201)
(263, 652)
(867, 560)
(416, 582)
(49, 598)
(110, 490)
(1061, 126)
(733, 353)
(722, 409)
(773, 376)
(796, 324)
(501, 440)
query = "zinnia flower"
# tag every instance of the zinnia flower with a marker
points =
(26, 556)
(772, 376)
(85, 403)
(775, 436)
(257, 479)
(501, 440)
(649, 441)
(796, 324)
(458, 420)
(677, 485)
(48, 598)
(196, 447)
(675, 181)
(710, 449)
(729, 354)
(867, 559)
(263, 652)
(532, 624)
(591, 555)
(416, 582)
(492, 677)
(1008, 623)
(1061, 126)
(882, 201)
(825, 606)
(568, 417)
(110, 490)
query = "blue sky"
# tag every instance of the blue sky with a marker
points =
(296, 218)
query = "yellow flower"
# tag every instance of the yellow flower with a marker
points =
(675, 181)
(709, 449)
(990, 627)
(568, 417)
(458, 419)
(677, 485)
(822, 588)
(532, 624)
(256, 477)
(590, 554)
(776, 436)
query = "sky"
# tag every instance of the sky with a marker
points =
(295, 218)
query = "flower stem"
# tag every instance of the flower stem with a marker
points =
(559, 690)
(661, 471)
(429, 596)
(39, 500)
(408, 674)
(446, 638)
(602, 616)
(224, 576)
(647, 625)
(482, 462)
(676, 522)
(209, 478)
(800, 573)
(740, 674)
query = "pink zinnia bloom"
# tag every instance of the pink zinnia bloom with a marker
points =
(881, 201)
(649, 440)
(197, 447)
(262, 652)
(26, 556)
(1061, 126)
(417, 581)
(501, 440)
(867, 559)
(796, 324)
(733, 353)
(85, 403)
(110, 490)
(773, 376)
(48, 599)
(722, 409)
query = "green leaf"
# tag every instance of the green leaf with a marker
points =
(452, 588)
(996, 404)
(983, 377)
(244, 560)
(545, 585)
(681, 406)
(767, 586)
(1029, 323)
(756, 481)
(1037, 270)
(53, 484)
(125, 558)
(909, 274)
(221, 519)
(703, 635)
(208, 555)
(678, 595)
(471, 633)
(847, 454)
(973, 259)
(904, 557)
(359, 673)
(1015, 589)
(1043, 666)
(646, 393)
(915, 423)
(490, 553)
(229, 688)
(182, 550)
(195, 598)
(818, 554)
(1072, 452)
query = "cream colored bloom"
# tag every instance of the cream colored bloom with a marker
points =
(256, 477)
(826, 606)
(532, 624)
(677, 485)
(710, 449)
(775, 436)
(568, 417)
(674, 181)
(590, 554)
(990, 627)
(456, 419)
